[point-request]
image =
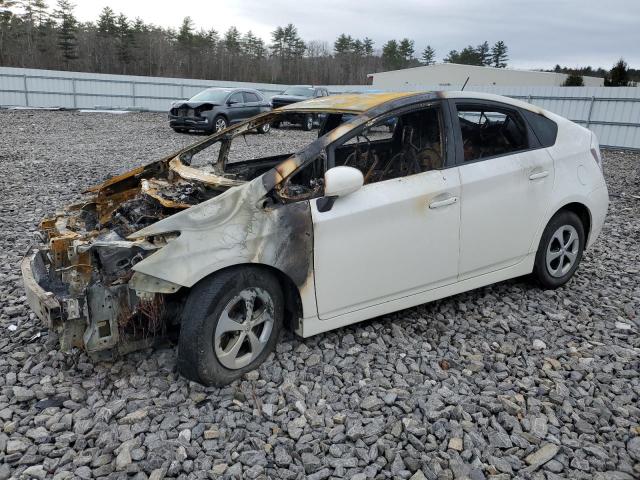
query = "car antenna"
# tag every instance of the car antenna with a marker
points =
(465, 83)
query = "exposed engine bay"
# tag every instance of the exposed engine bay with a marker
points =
(84, 258)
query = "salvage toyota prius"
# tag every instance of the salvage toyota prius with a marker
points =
(466, 190)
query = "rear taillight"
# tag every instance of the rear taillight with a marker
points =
(595, 151)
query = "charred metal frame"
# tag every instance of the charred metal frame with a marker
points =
(109, 295)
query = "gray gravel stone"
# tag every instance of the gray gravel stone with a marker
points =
(462, 386)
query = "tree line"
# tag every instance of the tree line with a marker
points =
(32, 35)
(35, 36)
(620, 75)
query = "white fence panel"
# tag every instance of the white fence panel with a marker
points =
(613, 113)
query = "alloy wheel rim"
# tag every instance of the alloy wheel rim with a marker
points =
(220, 124)
(266, 127)
(244, 328)
(562, 251)
(309, 123)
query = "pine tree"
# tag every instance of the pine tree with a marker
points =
(406, 50)
(67, 30)
(499, 55)
(391, 58)
(232, 41)
(343, 44)
(484, 53)
(125, 41)
(573, 80)
(185, 34)
(428, 56)
(367, 44)
(107, 22)
(619, 75)
(34, 11)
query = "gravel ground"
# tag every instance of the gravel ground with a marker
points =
(502, 382)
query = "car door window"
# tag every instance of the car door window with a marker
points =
(488, 131)
(396, 146)
(237, 98)
(250, 97)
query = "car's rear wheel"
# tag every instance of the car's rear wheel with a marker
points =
(560, 250)
(230, 324)
(264, 128)
(275, 124)
(219, 124)
(307, 122)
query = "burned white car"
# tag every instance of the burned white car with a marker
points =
(464, 191)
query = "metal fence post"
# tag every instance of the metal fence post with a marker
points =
(26, 90)
(181, 91)
(593, 100)
(133, 93)
(529, 99)
(73, 89)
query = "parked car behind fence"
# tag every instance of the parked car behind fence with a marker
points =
(214, 109)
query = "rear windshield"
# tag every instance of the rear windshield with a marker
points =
(299, 91)
(211, 95)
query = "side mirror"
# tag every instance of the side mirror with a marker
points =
(338, 182)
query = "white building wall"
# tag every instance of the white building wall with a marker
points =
(451, 74)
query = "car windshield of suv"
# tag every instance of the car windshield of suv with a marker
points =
(299, 91)
(211, 95)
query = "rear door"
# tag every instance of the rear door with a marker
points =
(506, 181)
(252, 104)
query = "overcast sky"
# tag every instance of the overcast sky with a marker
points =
(539, 33)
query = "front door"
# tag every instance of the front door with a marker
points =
(506, 182)
(397, 235)
(237, 108)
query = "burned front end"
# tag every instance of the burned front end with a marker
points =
(79, 273)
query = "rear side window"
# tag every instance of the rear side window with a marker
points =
(544, 129)
(251, 97)
(488, 131)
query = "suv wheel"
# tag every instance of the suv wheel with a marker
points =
(219, 124)
(560, 250)
(230, 324)
(264, 128)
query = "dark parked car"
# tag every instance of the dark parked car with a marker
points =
(298, 93)
(214, 109)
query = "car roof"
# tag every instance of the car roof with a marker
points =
(361, 102)
(348, 102)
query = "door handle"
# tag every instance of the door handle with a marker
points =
(536, 176)
(443, 203)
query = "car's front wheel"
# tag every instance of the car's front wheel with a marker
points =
(230, 324)
(560, 250)
(219, 124)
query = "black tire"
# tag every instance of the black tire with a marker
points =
(218, 121)
(543, 270)
(307, 122)
(275, 124)
(197, 358)
(264, 128)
